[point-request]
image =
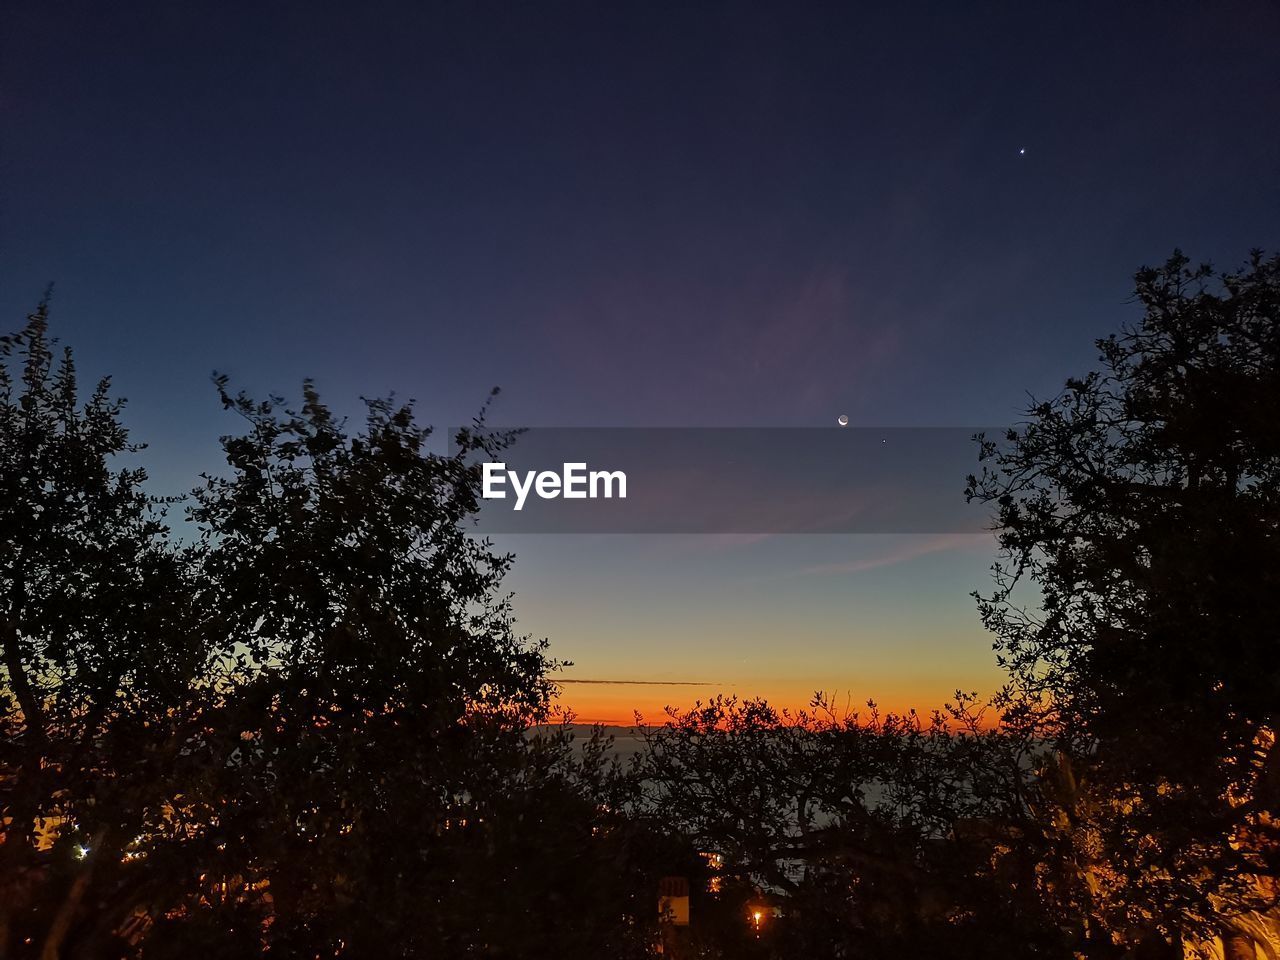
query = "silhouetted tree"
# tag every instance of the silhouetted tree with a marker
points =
(373, 789)
(102, 651)
(1141, 510)
(307, 731)
(379, 689)
(876, 836)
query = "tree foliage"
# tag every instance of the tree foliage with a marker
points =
(102, 650)
(1141, 506)
(876, 835)
(301, 729)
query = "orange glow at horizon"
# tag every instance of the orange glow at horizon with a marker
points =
(617, 705)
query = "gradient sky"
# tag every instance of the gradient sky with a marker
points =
(637, 214)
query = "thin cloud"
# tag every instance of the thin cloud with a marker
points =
(903, 554)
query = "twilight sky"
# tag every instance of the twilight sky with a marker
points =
(738, 214)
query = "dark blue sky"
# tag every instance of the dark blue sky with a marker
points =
(623, 213)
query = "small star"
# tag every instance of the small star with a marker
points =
(1022, 151)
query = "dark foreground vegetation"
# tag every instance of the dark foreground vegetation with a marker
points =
(288, 715)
